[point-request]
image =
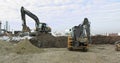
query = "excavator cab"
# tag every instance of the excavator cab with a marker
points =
(43, 27)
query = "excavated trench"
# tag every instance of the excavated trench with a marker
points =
(49, 41)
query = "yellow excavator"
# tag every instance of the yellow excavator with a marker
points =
(40, 27)
(80, 36)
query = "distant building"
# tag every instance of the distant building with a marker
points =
(57, 33)
(113, 34)
(101, 34)
(118, 34)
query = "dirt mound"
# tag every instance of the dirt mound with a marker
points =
(5, 47)
(61, 41)
(105, 39)
(49, 41)
(44, 40)
(25, 46)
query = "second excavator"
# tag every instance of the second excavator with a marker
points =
(40, 27)
(80, 36)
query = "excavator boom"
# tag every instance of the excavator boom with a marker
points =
(33, 16)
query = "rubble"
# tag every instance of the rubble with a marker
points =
(14, 38)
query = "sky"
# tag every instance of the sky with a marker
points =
(64, 14)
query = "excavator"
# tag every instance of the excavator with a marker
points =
(80, 38)
(40, 27)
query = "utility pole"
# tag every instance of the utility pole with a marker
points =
(0, 27)
(6, 25)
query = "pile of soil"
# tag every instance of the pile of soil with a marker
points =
(61, 41)
(5, 47)
(25, 46)
(49, 41)
(104, 39)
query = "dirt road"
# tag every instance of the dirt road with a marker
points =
(96, 54)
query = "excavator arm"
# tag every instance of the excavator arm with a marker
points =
(26, 12)
(86, 27)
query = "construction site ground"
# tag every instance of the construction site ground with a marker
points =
(25, 52)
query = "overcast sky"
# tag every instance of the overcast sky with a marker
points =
(60, 15)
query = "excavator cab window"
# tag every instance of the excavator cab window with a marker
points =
(44, 25)
(40, 25)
